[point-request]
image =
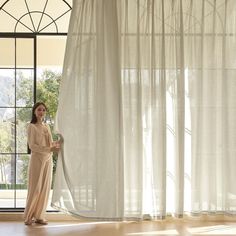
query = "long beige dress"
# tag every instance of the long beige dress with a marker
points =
(39, 172)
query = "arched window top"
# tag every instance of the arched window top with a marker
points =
(30, 16)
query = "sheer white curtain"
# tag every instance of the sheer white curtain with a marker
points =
(147, 109)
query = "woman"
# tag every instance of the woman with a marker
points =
(40, 166)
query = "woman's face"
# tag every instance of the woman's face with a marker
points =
(40, 112)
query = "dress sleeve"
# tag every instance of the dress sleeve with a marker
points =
(50, 135)
(31, 136)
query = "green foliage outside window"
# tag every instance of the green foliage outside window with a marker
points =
(47, 92)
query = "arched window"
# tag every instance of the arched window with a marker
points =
(29, 16)
(32, 43)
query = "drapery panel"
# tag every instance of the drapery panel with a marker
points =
(147, 109)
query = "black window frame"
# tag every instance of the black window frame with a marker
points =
(33, 32)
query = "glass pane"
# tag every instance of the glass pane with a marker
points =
(23, 116)
(9, 22)
(50, 50)
(22, 162)
(15, 8)
(7, 130)
(24, 53)
(7, 85)
(7, 48)
(63, 23)
(24, 87)
(7, 178)
(61, 8)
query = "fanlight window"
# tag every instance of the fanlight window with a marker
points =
(30, 16)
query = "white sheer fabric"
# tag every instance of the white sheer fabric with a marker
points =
(147, 109)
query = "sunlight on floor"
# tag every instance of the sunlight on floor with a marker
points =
(214, 230)
(161, 232)
(89, 224)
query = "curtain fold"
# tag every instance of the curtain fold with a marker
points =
(91, 124)
(147, 109)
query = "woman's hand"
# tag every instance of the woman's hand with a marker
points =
(56, 146)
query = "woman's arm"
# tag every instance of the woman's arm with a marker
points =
(31, 135)
(55, 145)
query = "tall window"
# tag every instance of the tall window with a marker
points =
(32, 45)
(17, 74)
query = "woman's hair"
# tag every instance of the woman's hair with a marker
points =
(34, 118)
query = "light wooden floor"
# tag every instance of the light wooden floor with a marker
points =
(165, 227)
